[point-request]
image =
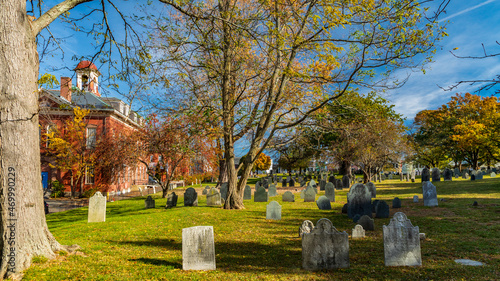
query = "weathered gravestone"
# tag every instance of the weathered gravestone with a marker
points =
(346, 181)
(309, 194)
(190, 197)
(324, 203)
(198, 248)
(247, 193)
(372, 189)
(358, 232)
(223, 190)
(306, 227)
(479, 175)
(171, 200)
(330, 191)
(302, 193)
(206, 190)
(381, 210)
(456, 172)
(413, 175)
(97, 208)
(415, 199)
(312, 183)
(401, 242)
(149, 202)
(359, 201)
(272, 190)
(447, 175)
(396, 203)
(273, 211)
(265, 183)
(429, 194)
(302, 183)
(214, 198)
(338, 184)
(260, 195)
(257, 185)
(325, 247)
(426, 176)
(492, 175)
(367, 223)
(288, 197)
(465, 174)
(436, 175)
(322, 184)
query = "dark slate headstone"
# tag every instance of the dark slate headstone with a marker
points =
(288, 197)
(465, 174)
(456, 172)
(448, 175)
(372, 189)
(331, 179)
(149, 202)
(260, 195)
(346, 181)
(367, 223)
(426, 176)
(323, 203)
(401, 242)
(356, 218)
(381, 210)
(338, 184)
(472, 177)
(344, 209)
(396, 203)
(475, 204)
(283, 183)
(322, 184)
(291, 183)
(265, 183)
(415, 199)
(306, 227)
(330, 191)
(171, 200)
(359, 201)
(430, 194)
(479, 175)
(190, 197)
(374, 205)
(247, 193)
(436, 175)
(223, 190)
(257, 185)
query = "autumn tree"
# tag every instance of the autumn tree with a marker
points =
(263, 162)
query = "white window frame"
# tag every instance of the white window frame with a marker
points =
(91, 137)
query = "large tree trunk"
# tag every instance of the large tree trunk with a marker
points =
(23, 228)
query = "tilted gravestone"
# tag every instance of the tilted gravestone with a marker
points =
(415, 199)
(288, 197)
(436, 175)
(198, 248)
(309, 194)
(149, 202)
(381, 210)
(401, 242)
(214, 198)
(430, 194)
(302, 183)
(273, 211)
(206, 190)
(323, 203)
(171, 200)
(325, 247)
(447, 175)
(260, 195)
(223, 190)
(306, 227)
(190, 197)
(358, 232)
(272, 190)
(359, 201)
(396, 203)
(330, 191)
(426, 176)
(322, 184)
(367, 223)
(372, 189)
(346, 181)
(97, 208)
(247, 193)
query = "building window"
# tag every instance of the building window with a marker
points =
(89, 175)
(50, 128)
(91, 137)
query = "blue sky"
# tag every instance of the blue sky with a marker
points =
(471, 24)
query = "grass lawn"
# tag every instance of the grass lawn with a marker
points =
(139, 244)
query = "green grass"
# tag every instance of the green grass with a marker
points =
(139, 244)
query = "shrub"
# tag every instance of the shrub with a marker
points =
(89, 192)
(57, 189)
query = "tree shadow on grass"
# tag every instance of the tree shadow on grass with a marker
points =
(159, 262)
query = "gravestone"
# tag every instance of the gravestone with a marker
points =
(413, 175)
(265, 183)
(324, 203)
(288, 197)
(198, 248)
(171, 200)
(312, 183)
(325, 248)
(283, 183)
(260, 195)
(465, 175)
(401, 242)
(415, 199)
(436, 175)
(383, 177)
(223, 190)
(291, 183)
(273, 211)
(359, 201)
(358, 232)
(257, 185)
(374, 205)
(396, 203)
(190, 197)
(381, 210)
(332, 179)
(344, 209)
(322, 184)
(472, 177)
(206, 190)
(372, 189)
(492, 175)
(214, 198)
(426, 176)
(309, 194)
(447, 175)
(302, 193)
(479, 175)
(272, 190)
(346, 182)
(149, 202)
(302, 183)
(247, 193)
(306, 227)
(456, 172)
(330, 192)
(97, 208)
(367, 223)
(356, 218)
(338, 184)
(430, 194)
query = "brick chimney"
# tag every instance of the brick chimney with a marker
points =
(66, 88)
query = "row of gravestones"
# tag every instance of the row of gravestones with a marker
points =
(323, 246)
(435, 175)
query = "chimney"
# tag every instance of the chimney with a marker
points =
(66, 88)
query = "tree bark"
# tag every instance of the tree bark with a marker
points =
(24, 232)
